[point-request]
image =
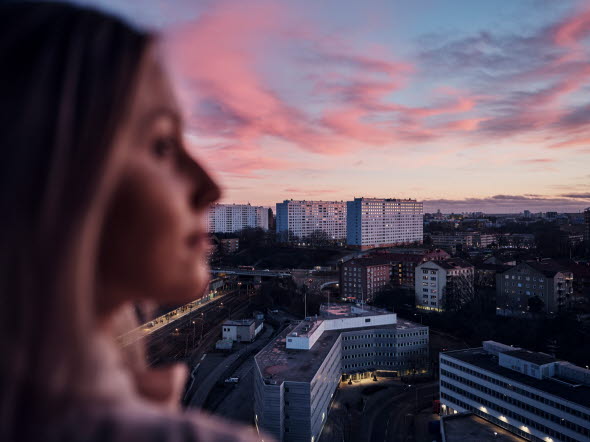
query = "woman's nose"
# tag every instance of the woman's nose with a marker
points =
(205, 190)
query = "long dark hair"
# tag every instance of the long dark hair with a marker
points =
(66, 82)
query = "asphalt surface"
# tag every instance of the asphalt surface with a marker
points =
(395, 420)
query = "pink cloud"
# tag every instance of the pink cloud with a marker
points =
(219, 61)
(570, 31)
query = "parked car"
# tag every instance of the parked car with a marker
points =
(232, 380)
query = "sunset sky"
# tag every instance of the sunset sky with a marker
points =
(466, 105)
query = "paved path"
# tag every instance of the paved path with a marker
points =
(207, 384)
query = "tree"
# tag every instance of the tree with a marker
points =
(458, 292)
(535, 304)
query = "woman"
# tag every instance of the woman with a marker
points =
(102, 207)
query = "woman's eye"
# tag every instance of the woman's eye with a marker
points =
(164, 147)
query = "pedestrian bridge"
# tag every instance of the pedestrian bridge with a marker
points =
(253, 273)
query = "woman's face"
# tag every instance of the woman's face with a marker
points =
(155, 243)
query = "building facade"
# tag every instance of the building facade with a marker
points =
(533, 286)
(587, 229)
(443, 285)
(530, 394)
(302, 219)
(362, 278)
(297, 374)
(229, 218)
(241, 330)
(464, 239)
(375, 222)
(403, 270)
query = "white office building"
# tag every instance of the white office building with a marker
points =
(301, 219)
(229, 218)
(297, 373)
(530, 394)
(378, 222)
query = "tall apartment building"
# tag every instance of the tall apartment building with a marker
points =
(530, 394)
(228, 218)
(442, 285)
(545, 280)
(587, 228)
(377, 222)
(297, 373)
(300, 219)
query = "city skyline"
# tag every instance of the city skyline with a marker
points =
(474, 107)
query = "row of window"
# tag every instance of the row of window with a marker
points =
(521, 391)
(509, 399)
(521, 278)
(509, 413)
(385, 335)
(516, 430)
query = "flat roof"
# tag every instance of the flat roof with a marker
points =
(470, 427)
(531, 356)
(330, 311)
(478, 357)
(238, 321)
(279, 363)
(306, 327)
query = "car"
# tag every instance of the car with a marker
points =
(232, 380)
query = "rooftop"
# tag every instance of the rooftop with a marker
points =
(531, 356)
(466, 427)
(450, 264)
(548, 267)
(277, 363)
(478, 357)
(330, 311)
(238, 321)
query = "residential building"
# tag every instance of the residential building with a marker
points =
(297, 374)
(362, 278)
(272, 225)
(241, 330)
(229, 245)
(450, 241)
(229, 218)
(485, 274)
(403, 265)
(377, 222)
(530, 394)
(302, 219)
(587, 228)
(444, 285)
(543, 286)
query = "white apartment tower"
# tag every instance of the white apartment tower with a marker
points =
(228, 218)
(302, 218)
(380, 222)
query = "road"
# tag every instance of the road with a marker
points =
(395, 420)
(229, 367)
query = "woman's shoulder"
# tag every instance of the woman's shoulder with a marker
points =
(147, 424)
